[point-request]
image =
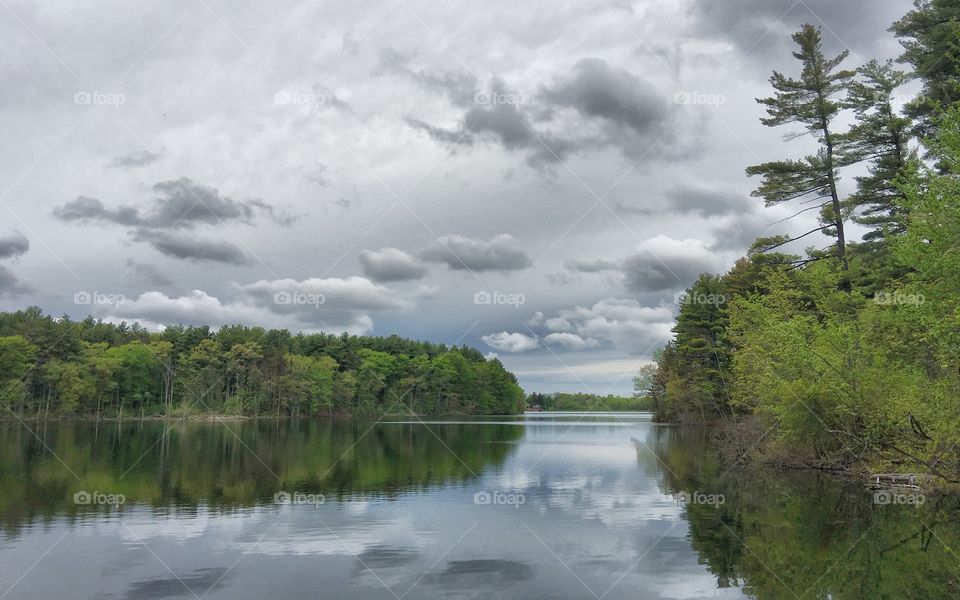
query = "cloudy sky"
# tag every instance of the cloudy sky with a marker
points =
(537, 179)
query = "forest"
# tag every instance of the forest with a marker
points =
(588, 402)
(56, 366)
(847, 355)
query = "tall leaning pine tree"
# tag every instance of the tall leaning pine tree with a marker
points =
(813, 101)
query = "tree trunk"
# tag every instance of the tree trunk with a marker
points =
(835, 199)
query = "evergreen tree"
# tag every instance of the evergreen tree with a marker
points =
(880, 137)
(930, 35)
(811, 101)
(699, 332)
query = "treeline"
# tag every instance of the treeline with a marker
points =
(583, 401)
(51, 367)
(850, 352)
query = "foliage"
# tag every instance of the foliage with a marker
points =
(853, 363)
(54, 367)
(880, 137)
(813, 101)
(803, 534)
(930, 35)
(587, 402)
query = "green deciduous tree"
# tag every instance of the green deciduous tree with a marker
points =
(17, 358)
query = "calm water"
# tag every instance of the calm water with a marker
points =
(558, 506)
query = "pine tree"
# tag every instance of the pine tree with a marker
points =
(930, 35)
(881, 138)
(810, 101)
(699, 329)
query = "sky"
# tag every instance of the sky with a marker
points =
(540, 180)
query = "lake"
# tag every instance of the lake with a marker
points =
(554, 505)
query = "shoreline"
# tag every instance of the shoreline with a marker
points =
(207, 418)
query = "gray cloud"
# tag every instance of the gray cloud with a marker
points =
(632, 209)
(181, 204)
(350, 42)
(647, 272)
(10, 284)
(148, 274)
(187, 247)
(136, 159)
(332, 100)
(391, 264)
(590, 266)
(460, 86)
(562, 278)
(621, 98)
(461, 253)
(611, 108)
(687, 199)
(757, 27)
(502, 124)
(444, 136)
(659, 264)
(13, 245)
(741, 231)
(343, 203)
(83, 208)
(506, 124)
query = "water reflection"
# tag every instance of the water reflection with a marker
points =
(231, 464)
(809, 534)
(546, 507)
